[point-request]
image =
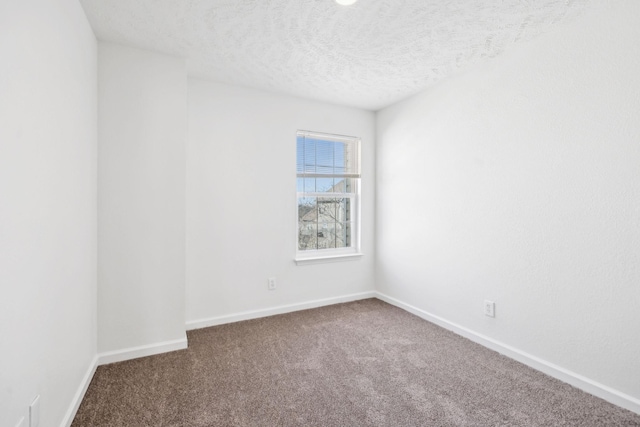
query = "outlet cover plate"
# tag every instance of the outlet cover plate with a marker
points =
(489, 308)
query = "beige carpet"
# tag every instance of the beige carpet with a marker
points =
(364, 363)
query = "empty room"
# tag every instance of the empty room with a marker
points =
(319, 213)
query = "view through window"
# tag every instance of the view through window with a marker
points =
(328, 183)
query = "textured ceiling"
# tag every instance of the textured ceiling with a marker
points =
(368, 55)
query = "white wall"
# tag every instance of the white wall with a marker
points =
(519, 182)
(241, 201)
(141, 197)
(47, 206)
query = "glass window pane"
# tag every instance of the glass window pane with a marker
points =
(344, 185)
(326, 235)
(343, 235)
(307, 211)
(307, 223)
(327, 208)
(309, 185)
(347, 185)
(338, 155)
(325, 170)
(316, 155)
(324, 155)
(342, 210)
(307, 236)
(324, 184)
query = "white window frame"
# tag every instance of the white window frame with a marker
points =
(333, 254)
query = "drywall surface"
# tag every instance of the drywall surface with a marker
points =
(518, 183)
(47, 206)
(141, 197)
(241, 201)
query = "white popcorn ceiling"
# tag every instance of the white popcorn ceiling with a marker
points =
(368, 55)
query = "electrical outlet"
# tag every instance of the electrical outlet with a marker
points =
(34, 412)
(271, 283)
(489, 308)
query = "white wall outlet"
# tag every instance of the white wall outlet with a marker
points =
(489, 308)
(34, 412)
(271, 283)
(20, 422)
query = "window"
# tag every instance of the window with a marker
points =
(328, 190)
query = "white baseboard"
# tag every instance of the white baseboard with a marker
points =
(82, 389)
(255, 314)
(592, 387)
(142, 351)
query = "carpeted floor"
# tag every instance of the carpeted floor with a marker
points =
(364, 363)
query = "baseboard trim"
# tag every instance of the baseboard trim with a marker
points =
(142, 351)
(583, 383)
(79, 395)
(255, 314)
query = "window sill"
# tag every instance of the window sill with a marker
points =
(327, 258)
